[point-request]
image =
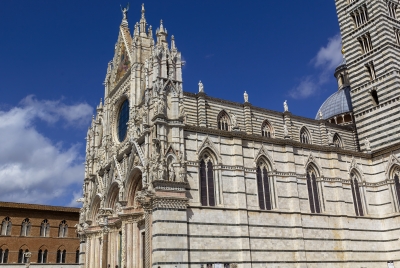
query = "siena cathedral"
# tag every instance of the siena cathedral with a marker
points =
(179, 179)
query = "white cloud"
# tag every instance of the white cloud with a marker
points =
(326, 60)
(33, 168)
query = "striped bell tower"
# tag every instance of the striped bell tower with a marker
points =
(370, 31)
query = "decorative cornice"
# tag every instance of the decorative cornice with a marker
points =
(170, 185)
(172, 203)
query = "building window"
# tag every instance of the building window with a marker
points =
(266, 129)
(123, 118)
(365, 43)
(42, 256)
(359, 16)
(223, 121)
(355, 190)
(61, 256)
(6, 226)
(22, 257)
(397, 35)
(397, 186)
(3, 255)
(77, 256)
(337, 141)
(371, 70)
(305, 136)
(25, 227)
(207, 182)
(312, 187)
(374, 96)
(45, 228)
(263, 185)
(392, 9)
(63, 229)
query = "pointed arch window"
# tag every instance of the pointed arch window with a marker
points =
(25, 227)
(312, 188)
(4, 255)
(355, 190)
(6, 226)
(22, 256)
(337, 141)
(264, 187)
(396, 178)
(63, 229)
(223, 121)
(61, 256)
(305, 136)
(42, 256)
(266, 129)
(45, 228)
(207, 192)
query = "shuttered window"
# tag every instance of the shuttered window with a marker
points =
(263, 185)
(312, 188)
(207, 183)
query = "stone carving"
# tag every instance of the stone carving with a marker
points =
(285, 130)
(330, 137)
(201, 87)
(367, 144)
(320, 115)
(285, 106)
(246, 97)
(182, 109)
(125, 11)
(234, 121)
(146, 78)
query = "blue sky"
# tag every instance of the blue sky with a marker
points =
(54, 55)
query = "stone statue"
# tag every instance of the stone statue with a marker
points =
(181, 109)
(246, 97)
(285, 106)
(125, 11)
(285, 130)
(161, 106)
(367, 144)
(171, 172)
(201, 87)
(320, 115)
(330, 137)
(234, 120)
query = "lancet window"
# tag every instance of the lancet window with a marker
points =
(360, 16)
(371, 70)
(25, 227)
(42, 256)
(4, 255)
(392, 9)
(396, 177)
(313, 196)
(266, 129)
(6, 226)
(45, 228)
(207, 189)
(61, 256)
(355, 190)
(305, 136)
(22, 258)
(264, 187)
(337, 141)
(63, 229)
(365, 43)
(223, 121)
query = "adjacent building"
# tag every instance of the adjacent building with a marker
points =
(47, 232)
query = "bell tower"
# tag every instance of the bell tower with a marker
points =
(370, 36)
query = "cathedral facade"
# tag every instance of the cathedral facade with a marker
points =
(177, 179)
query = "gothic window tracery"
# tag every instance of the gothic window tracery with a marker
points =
(312, 188)
(42, 256)
(337, 141)
(22, 258)
(266, 129)
(355, 190)
(305, 136)
(45, 228)
(25, 227)
(207, 191)
(264, 187)
(61, 256)
(63, 229)
(6, 226)
(224, 122)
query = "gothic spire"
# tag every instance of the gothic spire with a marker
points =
(161, 33)
(143, 21)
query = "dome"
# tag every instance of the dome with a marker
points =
(338, 103)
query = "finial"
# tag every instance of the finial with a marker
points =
(172, 42)
(320, 115)
(246, 97)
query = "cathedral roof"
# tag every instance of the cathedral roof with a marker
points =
(338, 103)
